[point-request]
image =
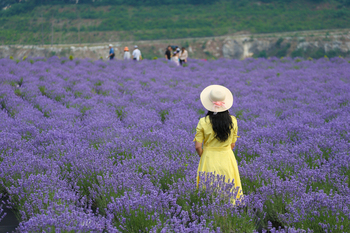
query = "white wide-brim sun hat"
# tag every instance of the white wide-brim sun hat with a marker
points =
(110, 45)
(216, 98)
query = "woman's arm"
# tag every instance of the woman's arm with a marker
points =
(235, 131)
(199, 138)
(233, 146)
(199, 149)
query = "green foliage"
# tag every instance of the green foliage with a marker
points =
(42, 89)
(279, 42)
(20, 82)
(98, 83)
(297, 53)
(149, 20)
(201, 112)
(19, 93)
(86, 182)
(120, 112)
(136, 220)
(250, 185)
(47, 114)
(239, 114)
(84, 109)
(71, 57)
(168, 178)
(273, 207)
(163, 115)
(15, 9)
(37, 106)
(191, 198)
(283, 51)
(77, 94)
(59, 98)
(26, 136)
(228, 222)
(234, 223)
(337, 222)
(318, 53)
(261, 54)
(103, 199)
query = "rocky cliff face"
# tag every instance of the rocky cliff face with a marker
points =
(235, 46)
(241, 48)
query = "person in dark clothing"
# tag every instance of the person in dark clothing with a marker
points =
(111, 52)
(168, 53)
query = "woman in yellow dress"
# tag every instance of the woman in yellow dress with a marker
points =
(216, 136)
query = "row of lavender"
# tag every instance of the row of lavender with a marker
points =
(95, 146)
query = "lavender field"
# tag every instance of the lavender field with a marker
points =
(95, 146)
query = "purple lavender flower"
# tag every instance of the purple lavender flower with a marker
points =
(96, 146)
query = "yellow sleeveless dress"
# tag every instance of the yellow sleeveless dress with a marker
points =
(217, 156)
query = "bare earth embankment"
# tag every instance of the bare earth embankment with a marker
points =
(238, 46)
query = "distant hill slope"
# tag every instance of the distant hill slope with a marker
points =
(60, 21)
(308, 44)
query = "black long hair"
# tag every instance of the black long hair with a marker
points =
(222, 124)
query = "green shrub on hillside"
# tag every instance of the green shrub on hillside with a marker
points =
(318, 53)
(150, 20)
(262, 54)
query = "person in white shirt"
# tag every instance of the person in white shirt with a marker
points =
(136, 54)
(126, 53)
(183, 55)
(175, 58)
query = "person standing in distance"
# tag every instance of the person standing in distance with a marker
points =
(126, 53)
(111, 52)
(168, 53)
(216, 136)
(136, 54)
(183, 55)
(175, 58)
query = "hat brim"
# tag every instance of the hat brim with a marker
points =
(208, 104)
